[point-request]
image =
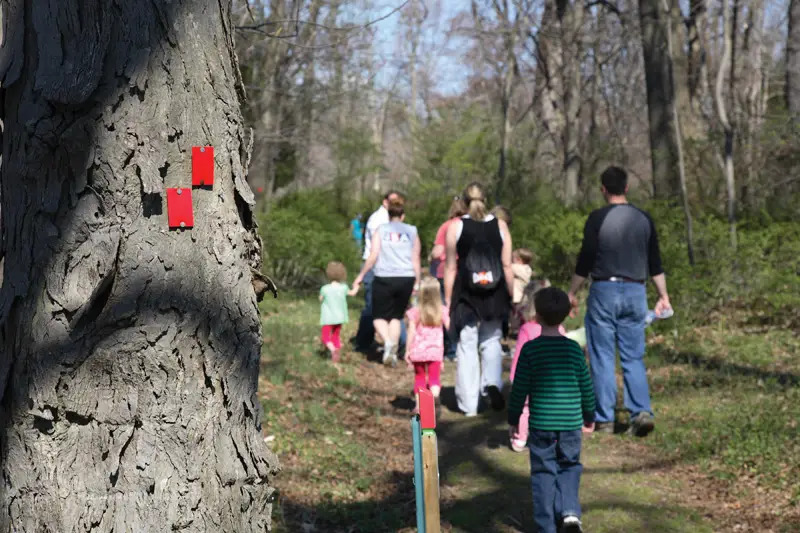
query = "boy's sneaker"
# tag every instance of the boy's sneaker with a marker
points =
(571, 524)
(642, 424)
(496, 398)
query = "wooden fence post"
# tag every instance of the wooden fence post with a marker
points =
(430, 461)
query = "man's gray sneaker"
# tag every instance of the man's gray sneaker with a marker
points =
(642, 424)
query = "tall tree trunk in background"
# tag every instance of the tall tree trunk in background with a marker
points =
(507, 87)
(687, 212)
(793, 62)
(272, 105)
(572, 41)
(660, 98)
(416, 15)
(753, 85)
(679, 60)
(726, 65)
(130, 354)
(559, 51)
(304, 108)
(697, 68)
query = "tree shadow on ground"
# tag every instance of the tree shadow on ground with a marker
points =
(481, 491)
(727, 368)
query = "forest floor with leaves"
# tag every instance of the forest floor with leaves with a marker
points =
(714, 464)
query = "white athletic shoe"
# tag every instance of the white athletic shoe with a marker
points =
(390, 354)
(571, 524)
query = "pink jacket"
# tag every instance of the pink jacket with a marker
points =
(528, 332)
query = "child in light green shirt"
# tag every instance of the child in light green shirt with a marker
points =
(333, 312)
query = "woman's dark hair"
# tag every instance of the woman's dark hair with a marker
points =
(615, 180)
(457, 208)
(397, 207)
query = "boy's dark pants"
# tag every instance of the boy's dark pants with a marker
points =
(555, 476)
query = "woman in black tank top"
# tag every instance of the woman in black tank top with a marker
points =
(479, 298)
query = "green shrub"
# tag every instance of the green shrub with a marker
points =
(304, 231)
(301, 234)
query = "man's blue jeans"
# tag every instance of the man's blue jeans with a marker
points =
(615, 316)
(365, 335)
(555, 477)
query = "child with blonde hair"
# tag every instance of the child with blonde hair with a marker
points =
(425, 349)
(333, 311)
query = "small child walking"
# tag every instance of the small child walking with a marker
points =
(333, 312)
(521, 259)
(529, 330)
(553, 376)
(426, 338)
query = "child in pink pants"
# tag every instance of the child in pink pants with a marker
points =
(527, 332)
(425, 350)
(333, 311)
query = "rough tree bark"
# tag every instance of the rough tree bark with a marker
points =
(660, 97)
(793, 62)
(130, 353)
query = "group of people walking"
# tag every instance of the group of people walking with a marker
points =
(478, 287)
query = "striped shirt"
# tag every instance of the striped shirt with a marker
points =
(552, 372)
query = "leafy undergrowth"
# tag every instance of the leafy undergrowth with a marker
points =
(720, 460)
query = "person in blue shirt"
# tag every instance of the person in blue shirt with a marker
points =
(357, 231)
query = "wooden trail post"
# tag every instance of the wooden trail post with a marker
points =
(430, 462)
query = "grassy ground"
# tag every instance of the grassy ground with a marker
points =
(723, 458)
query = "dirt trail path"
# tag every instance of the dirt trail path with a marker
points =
(343, 436)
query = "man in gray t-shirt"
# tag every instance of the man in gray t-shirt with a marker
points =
(619, 251)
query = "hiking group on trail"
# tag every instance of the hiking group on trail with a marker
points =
(480, 290)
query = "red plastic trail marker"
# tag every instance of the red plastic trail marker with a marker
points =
(427, 410)
(179, 208)
(202, 165)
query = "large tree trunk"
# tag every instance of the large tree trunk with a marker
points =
(130, 353)
(793, 62)
(660, 96)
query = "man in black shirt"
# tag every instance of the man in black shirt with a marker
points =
(620, 251)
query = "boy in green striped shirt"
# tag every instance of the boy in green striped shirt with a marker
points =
(552, 372)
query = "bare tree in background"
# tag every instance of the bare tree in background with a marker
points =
(130, 353)
(498, 35)
(656, 34)
(727, 69)
(676, 121)
(793, 62)
(560, 49)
